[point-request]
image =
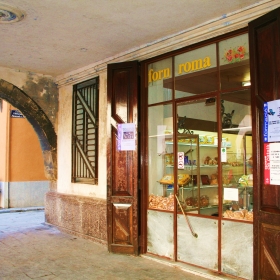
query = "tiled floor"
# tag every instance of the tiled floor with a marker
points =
(30, 249)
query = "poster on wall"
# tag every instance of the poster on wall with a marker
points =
(271, 127)
(126, 137)
(271, 163)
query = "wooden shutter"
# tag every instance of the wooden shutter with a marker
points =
(85, 132)
(264, 34)
(122, 210)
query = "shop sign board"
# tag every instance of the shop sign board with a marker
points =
(126, 137)
(187, 67)
(271, 127)
(271, 163)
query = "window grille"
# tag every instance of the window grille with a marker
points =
(85, 132)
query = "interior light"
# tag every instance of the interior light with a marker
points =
(246, 84)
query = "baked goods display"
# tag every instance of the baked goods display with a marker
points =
(167, 179)
(183, 179)
(214, 179)
(246, 180)
(162, 203)
(204, 180)
(211, 161)
(193, 201)
(239, 215)
(202, 176)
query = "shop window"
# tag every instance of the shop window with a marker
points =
(236, 156)
(160, 155)
(160, 81)
(200, 167)
(85, 132)
(196, 72)
(234, 62)
(187, 163)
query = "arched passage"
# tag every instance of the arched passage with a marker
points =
(40, 122)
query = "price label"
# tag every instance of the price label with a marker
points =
(181, 156)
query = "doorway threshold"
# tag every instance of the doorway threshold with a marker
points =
(201, 272)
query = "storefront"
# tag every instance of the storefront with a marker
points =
(199, 169)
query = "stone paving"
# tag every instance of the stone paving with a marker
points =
(31, 249)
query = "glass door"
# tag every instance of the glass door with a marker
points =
(197, 185)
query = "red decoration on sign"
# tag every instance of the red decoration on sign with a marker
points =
(266, 164)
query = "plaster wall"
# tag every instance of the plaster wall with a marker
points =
(64, 184)
(15, 77)
(4, 144)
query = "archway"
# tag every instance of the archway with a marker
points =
(39, 121)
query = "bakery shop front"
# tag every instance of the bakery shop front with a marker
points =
(199, 167)
(195, 189)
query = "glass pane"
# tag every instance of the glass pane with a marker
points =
(160, 81)
(237, 155)
(234, 62)
(196, 72)
(161, 160)
(197, 165)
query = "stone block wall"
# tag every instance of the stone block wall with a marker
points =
(78, 215)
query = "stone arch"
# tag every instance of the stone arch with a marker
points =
(40, 122)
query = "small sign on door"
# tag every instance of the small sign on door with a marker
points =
(126, 137)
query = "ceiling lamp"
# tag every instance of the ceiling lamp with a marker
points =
(9, 14)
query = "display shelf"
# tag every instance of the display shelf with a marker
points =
(247, 128)
(194, 167)
(167, 135)
(192, 144)
(195, 187)
(197, 152)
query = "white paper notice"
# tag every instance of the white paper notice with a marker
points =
(231, 194)
(126, 137)
(271, 127)
(272, 163)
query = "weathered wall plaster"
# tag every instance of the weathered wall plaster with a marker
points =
(41, 88)
(40, 122)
